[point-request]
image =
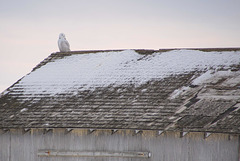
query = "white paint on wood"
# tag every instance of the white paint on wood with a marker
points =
(114, 131)
(137, 131)
(207, 134)
(160, 132)
(183, 134)
(91, 130)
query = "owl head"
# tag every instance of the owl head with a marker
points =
(62, 35)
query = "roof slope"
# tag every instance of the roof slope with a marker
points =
(185, 90)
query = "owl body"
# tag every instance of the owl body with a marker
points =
(63, 44)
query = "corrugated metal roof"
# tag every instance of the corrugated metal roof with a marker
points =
(183, 90)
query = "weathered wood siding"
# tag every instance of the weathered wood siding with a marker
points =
(16, 146)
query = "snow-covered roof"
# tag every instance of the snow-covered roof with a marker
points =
(185, 90)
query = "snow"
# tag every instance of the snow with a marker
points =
(178, 92)
(233, 81)
(214, 76)
(24, 109)
(88, 71)
(203, 78)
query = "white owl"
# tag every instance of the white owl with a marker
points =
(63, 44)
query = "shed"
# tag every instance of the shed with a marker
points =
(122, 105)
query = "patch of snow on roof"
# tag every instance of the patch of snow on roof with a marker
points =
(213, 77)
(178, 92)
(87, 71)
(24, 109)
(235, 80)
(11, 116)
(202, 78)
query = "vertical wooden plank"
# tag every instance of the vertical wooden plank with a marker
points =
(239, 148)
(5, 147)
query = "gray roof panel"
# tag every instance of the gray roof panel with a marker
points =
(186, 90)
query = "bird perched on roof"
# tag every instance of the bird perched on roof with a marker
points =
(63, 44)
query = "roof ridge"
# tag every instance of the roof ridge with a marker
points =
(147, 51)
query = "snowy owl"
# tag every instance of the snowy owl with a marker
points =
(63, 43)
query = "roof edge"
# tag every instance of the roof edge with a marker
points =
(142, 51)
(159, 131)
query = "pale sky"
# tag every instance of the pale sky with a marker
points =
(29, 29)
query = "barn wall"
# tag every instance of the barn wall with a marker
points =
(18, 146)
